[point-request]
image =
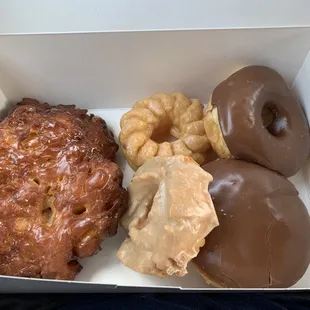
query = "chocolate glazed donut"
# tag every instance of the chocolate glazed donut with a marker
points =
(260, 121)
(263, 239)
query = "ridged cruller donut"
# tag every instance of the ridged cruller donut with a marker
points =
(161, 114)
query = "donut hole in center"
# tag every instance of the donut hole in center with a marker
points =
(166, 137)
(163, 132)
(273, 121)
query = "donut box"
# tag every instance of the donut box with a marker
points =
(107, 72)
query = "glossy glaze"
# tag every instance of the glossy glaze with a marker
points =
(60, 195)
(284, 144)
(263, 239)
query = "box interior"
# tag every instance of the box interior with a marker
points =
(108, 72)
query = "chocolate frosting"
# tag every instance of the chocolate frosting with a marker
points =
(263, 239)
(281, 143)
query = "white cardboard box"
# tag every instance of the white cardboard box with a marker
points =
(108, 72)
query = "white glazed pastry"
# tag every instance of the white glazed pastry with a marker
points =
(169, 215)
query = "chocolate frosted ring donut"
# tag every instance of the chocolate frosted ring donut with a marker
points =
(254, 116)
(144, 127)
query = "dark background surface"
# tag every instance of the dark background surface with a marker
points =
(181, 301)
